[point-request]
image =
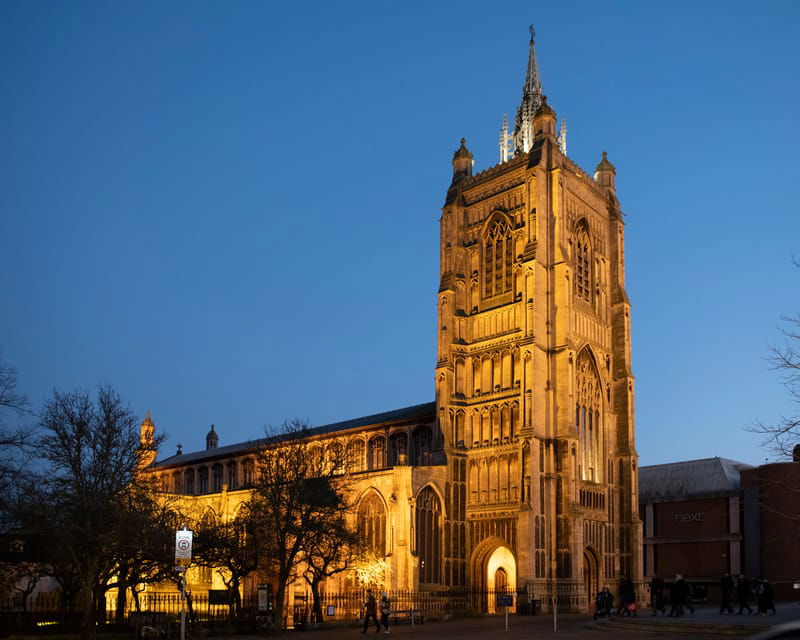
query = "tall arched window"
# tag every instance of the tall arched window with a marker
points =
(498, 249)
(188, 480)
(371, 517)
(588, 411)
(583, 261)
(377, 452)
(202, 482)
(429, 536)
(398, 448)
(216, 478)
(422, 439)
(355, 455)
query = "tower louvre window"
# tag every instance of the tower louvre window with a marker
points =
(583, 284)
(497, 259)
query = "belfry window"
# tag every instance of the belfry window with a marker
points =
(583, 279)
(588, 418)
(498, 252)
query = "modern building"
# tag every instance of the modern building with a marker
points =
(692, 515)
(771, 496)
(523, 470)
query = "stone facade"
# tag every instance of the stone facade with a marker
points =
(528, 477)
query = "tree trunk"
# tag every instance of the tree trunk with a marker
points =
(280, 593)
(122, 597)
(317, 601)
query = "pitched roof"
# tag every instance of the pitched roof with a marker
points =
(425, 411)
(706, 478)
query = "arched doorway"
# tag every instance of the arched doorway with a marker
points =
(494, 569)
(591, 576)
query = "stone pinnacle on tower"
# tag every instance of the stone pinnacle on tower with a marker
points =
(531, 99)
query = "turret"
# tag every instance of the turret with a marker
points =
(462, 162)
(147, 442)
(605, 172)
(544, 122)
(531, 100)
(212, 440)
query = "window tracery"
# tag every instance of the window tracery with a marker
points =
(398, 448)
(498, 249)
(588, 421)
(429, 536)
(355, 455)
(583, 280)
(422, 439)
(372, 524)
(377, 452)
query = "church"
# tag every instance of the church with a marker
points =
(522, 473)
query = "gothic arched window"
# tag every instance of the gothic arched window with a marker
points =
(355, 455)
(398, 446)
(429, 536)
(202, 482)
(583, 261)
(371, 517)
(216, 478)
(498, 250)
(188, 481)
(422, 439)
(377, 452)
(588, 411)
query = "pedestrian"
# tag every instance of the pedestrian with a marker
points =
(677, 596)
(726, 588)
(769, 596)
(371, 611)
(604, 604)
(627, 597)
(743, 594)
(386, 609)
(688, 592)
(657, 595)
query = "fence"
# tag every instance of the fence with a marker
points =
(343, 607)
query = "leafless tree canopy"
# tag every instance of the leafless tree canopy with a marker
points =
(783, 436)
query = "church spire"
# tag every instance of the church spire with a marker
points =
(531, 99)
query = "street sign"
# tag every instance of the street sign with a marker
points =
(183, 547)
(505, 601)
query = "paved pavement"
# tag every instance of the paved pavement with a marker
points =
(706, 620)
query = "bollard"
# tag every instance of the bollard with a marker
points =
(555, 614)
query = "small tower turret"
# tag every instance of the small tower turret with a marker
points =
(531, 99)
(462, 162)
(605, 172)
(212, 440)
(544, 122)
(562, 136)
(505, 140)
(147, 442)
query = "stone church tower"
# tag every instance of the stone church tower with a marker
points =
(534, 385)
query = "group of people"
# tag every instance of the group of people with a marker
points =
(680, 592)
(679, 598)
(371, 607)
(760, 588)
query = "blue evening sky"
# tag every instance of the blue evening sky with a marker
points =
(229, 211)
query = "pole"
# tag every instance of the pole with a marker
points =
(555, 614)
(183, 605)
(506, 618)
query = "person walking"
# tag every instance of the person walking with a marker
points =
(677, 596)
(769, 596)
(726, 588)
(657, 595)
(743, 594)
(371, 611)
(386, 608)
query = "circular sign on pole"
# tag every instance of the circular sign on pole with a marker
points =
(183, 547)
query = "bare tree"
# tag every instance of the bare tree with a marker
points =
(330, 549)
(782, 437)
(15, 443)
(296, 493)
(231, 547)
(92, 451)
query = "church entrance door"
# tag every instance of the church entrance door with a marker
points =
(590, 576)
